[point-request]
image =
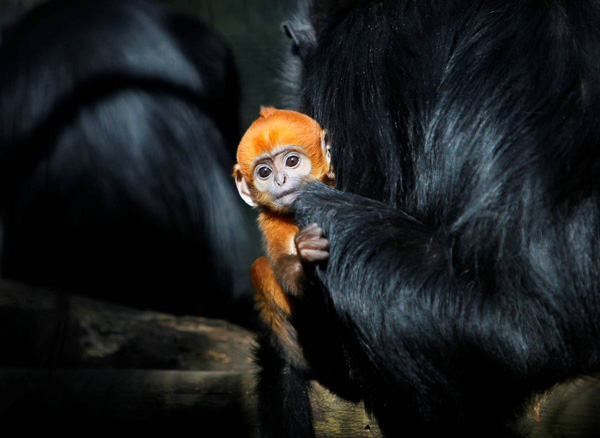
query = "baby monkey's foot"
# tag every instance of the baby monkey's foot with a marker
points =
(311, 244)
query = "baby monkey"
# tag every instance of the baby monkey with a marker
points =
(280, 151)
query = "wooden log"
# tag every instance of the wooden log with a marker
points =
(210, 403)
(145, 399)
(60, 355)
(569, 410)
(40, 328)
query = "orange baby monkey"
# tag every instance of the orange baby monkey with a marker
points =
(280, 151)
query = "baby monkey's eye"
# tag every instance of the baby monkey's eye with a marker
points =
(264, 172)
(292, 161)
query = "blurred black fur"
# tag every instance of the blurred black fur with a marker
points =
(464, 269)
(119, 125)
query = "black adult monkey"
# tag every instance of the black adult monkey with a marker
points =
(464, 268)
(118, 132)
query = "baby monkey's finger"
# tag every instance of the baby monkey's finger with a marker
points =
(319, 244)
(312, 230)
(313, 255)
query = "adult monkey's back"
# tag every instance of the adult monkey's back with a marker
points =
(463, 271)
(118, 132)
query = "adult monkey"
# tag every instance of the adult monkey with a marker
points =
(463, 272)
(118, 131)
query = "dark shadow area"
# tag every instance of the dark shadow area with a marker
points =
(120, 122)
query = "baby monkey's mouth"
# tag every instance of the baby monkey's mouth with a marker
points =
(286, 193)
(287, 198)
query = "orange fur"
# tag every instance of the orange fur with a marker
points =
(275, 309)
(273, 129)
(278, 128)
(279, 231)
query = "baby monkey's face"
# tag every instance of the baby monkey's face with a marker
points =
(280, 174)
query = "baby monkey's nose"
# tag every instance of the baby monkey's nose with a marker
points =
(280, 179)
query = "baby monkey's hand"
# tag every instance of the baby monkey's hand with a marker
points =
(311, 245)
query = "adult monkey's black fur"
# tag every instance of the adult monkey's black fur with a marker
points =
(471, 276)
(117, 136)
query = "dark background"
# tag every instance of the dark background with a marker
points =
(252, 28)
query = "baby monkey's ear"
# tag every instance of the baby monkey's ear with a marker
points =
(242, 186)
(327, 152)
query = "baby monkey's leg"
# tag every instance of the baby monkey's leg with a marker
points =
(274, 307)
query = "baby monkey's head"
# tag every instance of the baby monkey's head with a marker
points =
(280, 151)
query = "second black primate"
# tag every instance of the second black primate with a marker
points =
(119, 125)
(463, 273)
(118, 132)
